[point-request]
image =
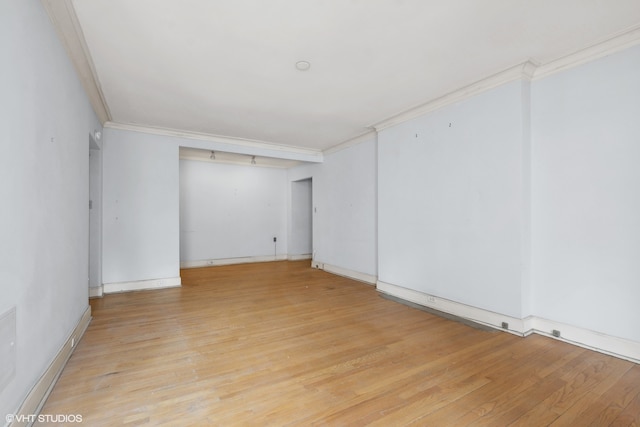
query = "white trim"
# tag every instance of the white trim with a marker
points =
(36, 398)
(602, 343)
(227, 143)
(96, 291)
(231, 261)
(66, 24)
(522, 71)
(527, 323)
(345, 272)
(298, 257)
(169, 282)
(351, 142)
(286, 164)
(527, 70)
(468, 312)
(615, 44)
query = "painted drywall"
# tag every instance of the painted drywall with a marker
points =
(46, 120)
(586, 196)
(301, 234)
(140, 218)
(95, 217)
(344, 202)
(141, 206)
(450, 201)
(231, 211)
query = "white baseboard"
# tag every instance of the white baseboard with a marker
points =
(468, 312)
(607, 344)
(169, 282)
(36, 398)
(96, 291)
(603, 343)
(345, 272)
(298, 257)
(230, 261)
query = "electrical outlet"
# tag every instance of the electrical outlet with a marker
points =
(431, 299)
(555, 333)
(275, 239)
(505, 325)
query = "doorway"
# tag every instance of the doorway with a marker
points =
(301, 243)
(95, 218)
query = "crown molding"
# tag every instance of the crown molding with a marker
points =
(529, 70)
(227, 143)
(66, 24)
(351, 142)
(522, 71)
(599, 50)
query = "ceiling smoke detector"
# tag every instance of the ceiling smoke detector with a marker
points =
(303, 65)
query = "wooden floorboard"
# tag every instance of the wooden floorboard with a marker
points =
(283, 344)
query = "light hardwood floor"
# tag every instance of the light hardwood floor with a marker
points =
(282, 344)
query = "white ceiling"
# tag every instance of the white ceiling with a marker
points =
(226, 67)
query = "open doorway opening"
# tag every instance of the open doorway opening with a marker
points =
(301, 220)
(95, 218)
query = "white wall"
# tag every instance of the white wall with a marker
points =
(231, 211)
(140, 207)
(451, 207)
(228, 211)
(301, 228)
(344, 199)
(45, 124)
(586, 196)
(95, 217)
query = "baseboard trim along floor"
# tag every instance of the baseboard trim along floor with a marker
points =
(39, 393)
(614, 346)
